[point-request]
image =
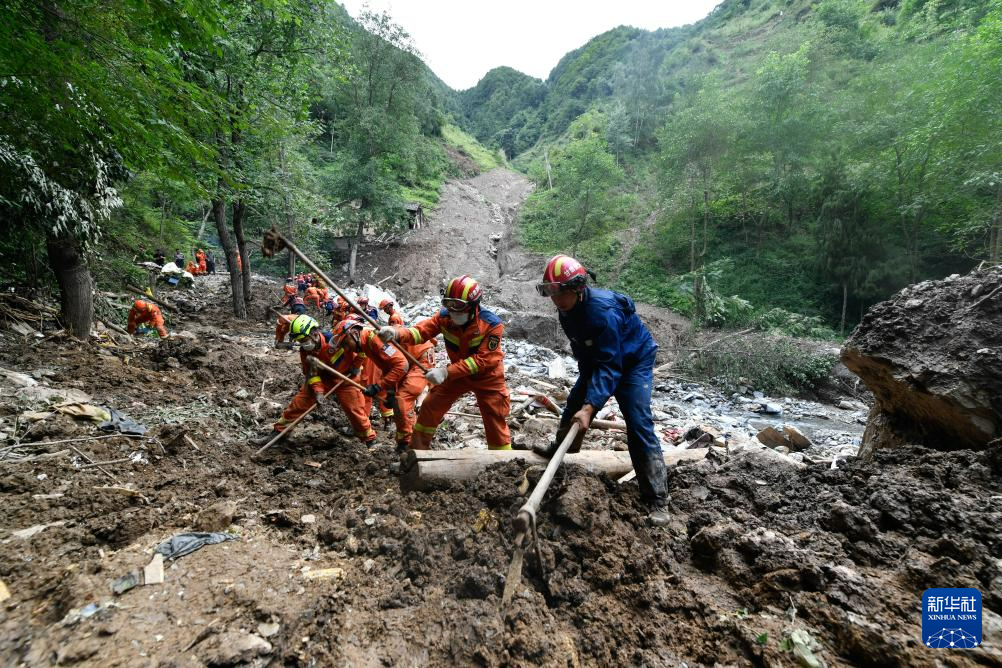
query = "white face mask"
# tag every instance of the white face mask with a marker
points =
(460, 317)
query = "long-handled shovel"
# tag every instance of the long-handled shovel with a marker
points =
(292, 425)
(524, 522)
(275, 242)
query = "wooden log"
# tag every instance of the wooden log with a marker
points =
(422, 470)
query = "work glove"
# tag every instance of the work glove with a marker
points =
(437, 375)
(354, 373)
(372, 390)
(388, 334)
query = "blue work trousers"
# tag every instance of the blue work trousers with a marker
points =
(634, 396)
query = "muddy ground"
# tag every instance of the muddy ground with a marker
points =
(763, 564)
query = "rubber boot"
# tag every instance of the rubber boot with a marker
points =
(420, 441)
(659, 517)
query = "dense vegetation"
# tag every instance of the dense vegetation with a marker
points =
(811, 157)
(136, 125)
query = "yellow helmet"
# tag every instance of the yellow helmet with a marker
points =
(302, 327)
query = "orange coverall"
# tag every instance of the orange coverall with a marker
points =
(289, 291)
(410, 388)
(477, 366)
(350, 397)
(151, 314)
(200, 259)
(312, 297)
(396, 320)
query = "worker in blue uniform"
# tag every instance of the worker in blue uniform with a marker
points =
(615, 355)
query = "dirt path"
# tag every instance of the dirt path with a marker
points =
(472, 231)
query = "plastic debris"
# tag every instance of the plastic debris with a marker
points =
(185, 543)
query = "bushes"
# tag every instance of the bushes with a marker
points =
(776, 365)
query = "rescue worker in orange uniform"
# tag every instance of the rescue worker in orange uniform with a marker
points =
(143, 312)
(200, 259)
(312, 297)
(408, 391)
(288, 290)
(335, 350)
(473, 341)
(395, 318)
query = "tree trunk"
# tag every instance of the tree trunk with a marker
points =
(289, 219)
(354, 247)
(76, 287)
(431, 469)
(995, 250)
(236, 282)
(845, 302)
(239, 208)
(201, 228)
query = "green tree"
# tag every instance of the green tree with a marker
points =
(584, 180)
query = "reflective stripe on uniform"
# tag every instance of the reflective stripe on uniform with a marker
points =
(506, 446)
(476, 340)
(471, 365)
(313, 379)
(415, 334)
(387, 414)
(450, 338)
(423, 429)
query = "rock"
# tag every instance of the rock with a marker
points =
(929, 385)
(851, 405)
(18, 379)
(538, 426)
(268, 629)
(796, 439)
(786, 437)
(241, 394)
(216, 517)
(766, 408)
(556, 369)
(4, 592)
(52, 395)
(235, 647)
(308, 519)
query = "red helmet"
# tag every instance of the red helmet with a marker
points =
(562, 273)
(461, 294)
(347, 327)
(362, 300)
(385, 302)
(140, 305)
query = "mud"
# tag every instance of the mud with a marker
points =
(334, 566)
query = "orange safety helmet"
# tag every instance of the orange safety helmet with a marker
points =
(385, 302)
(562, 273)
(140, 305)
(461, 294)
(362, 300)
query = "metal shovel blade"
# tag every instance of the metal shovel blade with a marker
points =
(513, 579)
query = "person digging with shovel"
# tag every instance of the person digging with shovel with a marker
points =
(335, 351)
(615, 355)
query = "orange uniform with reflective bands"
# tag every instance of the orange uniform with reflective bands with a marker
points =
(320, 382)
(283, 326)
(410, 388)
(396, 320)
(288, 291)
(312, 297)
(477, 366)
(149, 313)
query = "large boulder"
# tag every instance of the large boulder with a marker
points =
(932, 356)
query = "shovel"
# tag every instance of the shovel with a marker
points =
(524, 522)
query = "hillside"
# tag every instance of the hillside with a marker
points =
(812, 157)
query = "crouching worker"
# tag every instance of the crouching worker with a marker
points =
(615, 355)
(330, 350)
(143, 313)
(472, 338)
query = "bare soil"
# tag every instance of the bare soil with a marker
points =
(376, 578)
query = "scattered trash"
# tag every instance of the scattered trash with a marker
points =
(268, 629)
(81, 410)
(324, 574)
(308, 519)
(154, 571)
(313, 464)
(122, 423)
(123, 584)
(76, 614)
(185, 543)
(18, 378)
(24, 534)
(4, 592)
(803, 647)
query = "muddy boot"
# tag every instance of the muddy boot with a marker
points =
(262, 440)
(546, 451)
(659, 517)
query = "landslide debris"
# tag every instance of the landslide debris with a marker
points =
(931, 357)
